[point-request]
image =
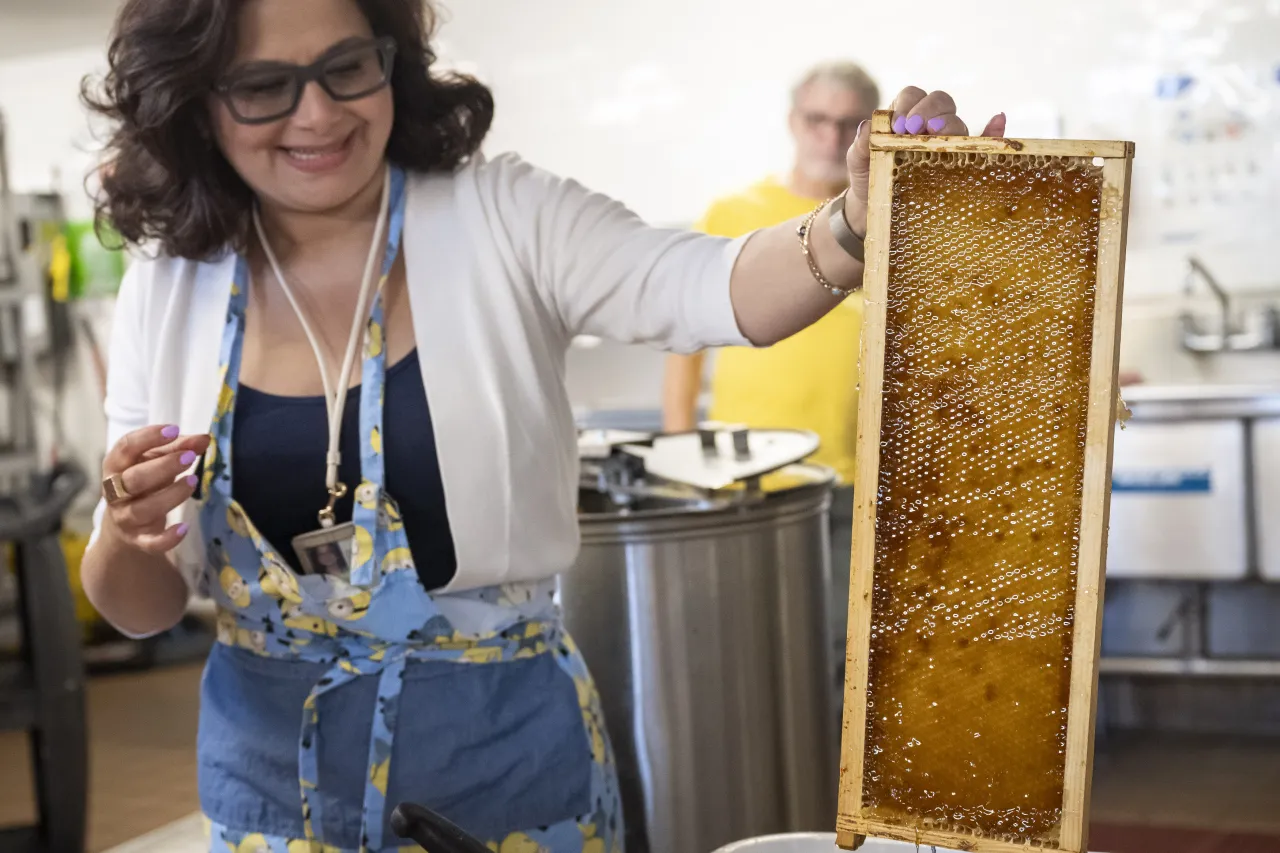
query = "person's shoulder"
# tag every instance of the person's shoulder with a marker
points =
(154, 276)
(152, 259)
(154, 265)
(741, 210)
(754, 193)
(508, 193)
(486, 174)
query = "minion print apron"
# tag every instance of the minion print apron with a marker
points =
(327, 701)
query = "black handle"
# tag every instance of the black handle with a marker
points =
(39, 511)
(432, 832)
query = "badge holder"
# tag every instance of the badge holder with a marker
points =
(328, 550)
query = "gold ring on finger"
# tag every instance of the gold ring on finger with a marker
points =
(113, 489)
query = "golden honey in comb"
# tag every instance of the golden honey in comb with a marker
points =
(992, 274)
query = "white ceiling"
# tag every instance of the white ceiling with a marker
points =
(47, 26)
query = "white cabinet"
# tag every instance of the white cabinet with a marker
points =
(1266, 468)
(1178, 507)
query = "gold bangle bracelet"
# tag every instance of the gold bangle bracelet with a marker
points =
(802, 231)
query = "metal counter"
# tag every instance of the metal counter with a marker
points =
(1195, 479)
(1194, 545)
(1201, 402)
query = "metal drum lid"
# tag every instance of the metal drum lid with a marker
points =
(717, 456)
(600, 443)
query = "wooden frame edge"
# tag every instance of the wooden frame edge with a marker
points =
(937, 838)
(875, 281)
(1108, 150)
(1099, 443)
(885, 140)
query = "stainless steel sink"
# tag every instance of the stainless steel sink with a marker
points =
(1196, 484)
(1195, 402)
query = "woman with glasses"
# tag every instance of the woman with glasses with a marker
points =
(336, 408)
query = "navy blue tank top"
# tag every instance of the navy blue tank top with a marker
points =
(279, 445)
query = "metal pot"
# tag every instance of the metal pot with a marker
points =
(698, 602)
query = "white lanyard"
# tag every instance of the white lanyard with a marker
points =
(335, 395)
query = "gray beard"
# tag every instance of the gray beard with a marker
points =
(832, 174)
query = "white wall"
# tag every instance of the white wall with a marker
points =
(50, 145)
(667, 103)
(33, 27)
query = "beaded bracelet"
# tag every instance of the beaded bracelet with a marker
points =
(803, 232)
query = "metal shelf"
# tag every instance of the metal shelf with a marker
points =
(1200, 667)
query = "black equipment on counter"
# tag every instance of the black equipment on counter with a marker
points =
(43, 692)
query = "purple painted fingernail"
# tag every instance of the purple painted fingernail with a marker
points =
(191, 481)
(936, 124)
(182, 529)
(187, 458)
(169, 432)
(914, 124)
(900, 124)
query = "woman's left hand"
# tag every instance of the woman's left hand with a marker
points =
(914, 111)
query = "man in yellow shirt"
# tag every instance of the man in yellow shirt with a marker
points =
(809, 381)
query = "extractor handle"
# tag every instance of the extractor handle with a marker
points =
(432, 832)
(708, 430)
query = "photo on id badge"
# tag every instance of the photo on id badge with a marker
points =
(326, 551)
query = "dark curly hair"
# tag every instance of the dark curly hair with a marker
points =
(163, 177)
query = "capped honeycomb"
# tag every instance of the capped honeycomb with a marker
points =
(991, 282)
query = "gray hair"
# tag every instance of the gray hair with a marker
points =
(850, 75)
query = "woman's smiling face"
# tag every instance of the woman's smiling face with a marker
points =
(326, 152)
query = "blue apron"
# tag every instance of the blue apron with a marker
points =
(325, 702)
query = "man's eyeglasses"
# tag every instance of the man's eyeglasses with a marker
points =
(844, 125)
(270, 92)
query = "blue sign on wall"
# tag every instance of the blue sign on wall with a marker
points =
(1173, 85)
(1162, 481)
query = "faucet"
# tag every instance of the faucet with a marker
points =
(1229, 336)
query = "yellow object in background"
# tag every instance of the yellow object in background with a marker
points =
(60, 269)
(73, 547)
(809, 381)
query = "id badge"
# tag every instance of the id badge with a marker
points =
(326, 551)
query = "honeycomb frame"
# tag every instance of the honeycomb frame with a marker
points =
(1114, 161)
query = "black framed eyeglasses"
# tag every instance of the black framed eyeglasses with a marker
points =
(267, 92)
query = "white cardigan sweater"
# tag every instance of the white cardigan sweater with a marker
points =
(506, 264)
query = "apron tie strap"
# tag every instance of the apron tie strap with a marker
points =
(390, 671)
